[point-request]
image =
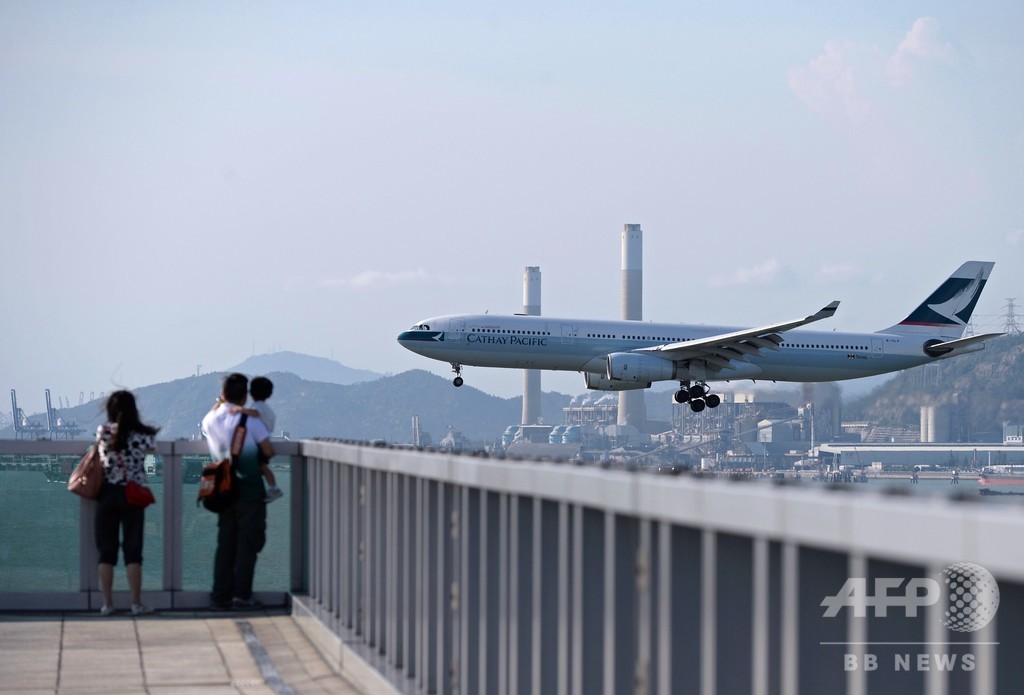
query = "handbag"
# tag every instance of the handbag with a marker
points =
(138, 495)
(87, 477)
(135, 494)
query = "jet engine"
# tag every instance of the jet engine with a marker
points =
(639, 367)
(597, 382)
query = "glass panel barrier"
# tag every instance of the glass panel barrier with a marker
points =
(39, 546)
(199, 535)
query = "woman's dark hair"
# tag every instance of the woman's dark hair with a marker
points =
(122, 411)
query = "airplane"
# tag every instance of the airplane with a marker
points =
(625, 355)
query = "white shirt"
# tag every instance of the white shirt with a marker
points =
(267, 415)
(219, 427)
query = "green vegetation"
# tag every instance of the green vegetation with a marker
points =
(985, 388)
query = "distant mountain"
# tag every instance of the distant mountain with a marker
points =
(304, 366)
(379, 409)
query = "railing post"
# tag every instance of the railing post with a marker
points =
(88, 557)
(173, 511)
(298, 541)
(708, 613)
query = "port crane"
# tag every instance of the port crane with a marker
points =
(23, 427)
(57, 427)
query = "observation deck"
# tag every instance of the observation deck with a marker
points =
(412, 571)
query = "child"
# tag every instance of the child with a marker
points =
(260, 389)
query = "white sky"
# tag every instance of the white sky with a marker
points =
(190, 183)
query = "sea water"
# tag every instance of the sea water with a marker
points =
(40, 551)
(39, 541)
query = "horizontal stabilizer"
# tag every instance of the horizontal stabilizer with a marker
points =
(948, 346)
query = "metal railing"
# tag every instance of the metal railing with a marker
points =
(426, 572)
(459, 574)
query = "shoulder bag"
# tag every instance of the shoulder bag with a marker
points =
(217, 489)
(87, 477)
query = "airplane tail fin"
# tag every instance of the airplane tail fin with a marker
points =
(948, 309)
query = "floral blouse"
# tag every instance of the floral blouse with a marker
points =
(134, 457)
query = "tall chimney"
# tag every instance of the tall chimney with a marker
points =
(632, 407)
(531, 377)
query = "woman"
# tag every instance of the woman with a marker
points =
(123, 443)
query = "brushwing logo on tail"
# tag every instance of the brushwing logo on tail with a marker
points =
(951, 304)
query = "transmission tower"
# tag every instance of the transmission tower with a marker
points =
(1011, 325)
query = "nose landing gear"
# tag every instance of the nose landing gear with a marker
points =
(698, 395)
(457, 368)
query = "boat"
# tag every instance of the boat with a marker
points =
(59, 471)
(1001, 480)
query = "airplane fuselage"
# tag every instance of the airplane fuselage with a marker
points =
(626, 355)
(539, 342)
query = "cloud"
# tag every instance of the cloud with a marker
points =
(374, 279)
(922, 45)
(760, 275)
(838, 272)
(371, 279)
(378, 278)
(851, 82)
(904, 114)
(840, 84)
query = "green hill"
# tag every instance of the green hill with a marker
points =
(986, 388)
(380, 409)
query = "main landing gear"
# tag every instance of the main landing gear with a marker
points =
(457, 368)
(697, 395)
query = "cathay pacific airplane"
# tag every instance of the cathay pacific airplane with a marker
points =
(624, 355)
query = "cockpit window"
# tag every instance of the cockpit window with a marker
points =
(421, 327)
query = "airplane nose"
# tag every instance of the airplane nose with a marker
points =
(418, 340)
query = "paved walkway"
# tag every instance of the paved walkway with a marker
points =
(261, 652)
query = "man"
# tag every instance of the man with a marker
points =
(242, 527)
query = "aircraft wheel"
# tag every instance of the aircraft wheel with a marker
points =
(681, 396)
(697, 391)
(713, 400)
(457, 381)
(697, 405)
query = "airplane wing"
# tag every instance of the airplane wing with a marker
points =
(719, 350)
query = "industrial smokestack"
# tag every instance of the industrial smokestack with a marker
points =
(632, 273)
(531, 377)
(632, 407)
